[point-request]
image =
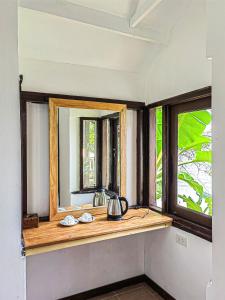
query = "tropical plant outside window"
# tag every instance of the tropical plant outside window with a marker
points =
(194, 187)
(89, 153)
(194, 170)
(158, 133)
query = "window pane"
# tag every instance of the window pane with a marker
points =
(89, 153)
(156, 156)
(159, 156)
(194, 182)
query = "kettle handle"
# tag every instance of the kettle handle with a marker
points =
(126, 209)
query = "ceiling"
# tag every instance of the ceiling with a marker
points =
(111, 34)
(119, 8)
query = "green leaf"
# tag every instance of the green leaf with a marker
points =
(191, 126)
(203, 156)
(197, 145)
(198, 188)
(190, 203)
(200, 156)
(208, 200)
(159, 135)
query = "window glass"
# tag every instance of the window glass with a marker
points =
(89, 153)
(155, 191)
(194, 176)
(159, 156)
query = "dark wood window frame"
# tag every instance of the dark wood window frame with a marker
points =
(173, 207)
(99, 154)
(113, 121)
(195, 223)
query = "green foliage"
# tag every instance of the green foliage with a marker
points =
(194, 149)
(192, 183)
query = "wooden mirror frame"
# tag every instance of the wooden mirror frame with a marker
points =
(54, 104)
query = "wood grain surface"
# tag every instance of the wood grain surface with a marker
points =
(52, 233)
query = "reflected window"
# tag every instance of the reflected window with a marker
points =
(89, 150)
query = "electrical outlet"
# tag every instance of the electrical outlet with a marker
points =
(181, 240)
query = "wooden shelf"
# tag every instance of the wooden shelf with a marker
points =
(51, 236)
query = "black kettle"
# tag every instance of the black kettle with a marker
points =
(115, 209)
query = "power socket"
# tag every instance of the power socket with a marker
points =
(181, 240)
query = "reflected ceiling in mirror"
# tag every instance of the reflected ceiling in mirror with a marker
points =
(89, 161)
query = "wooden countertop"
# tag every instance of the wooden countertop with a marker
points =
(50, 236)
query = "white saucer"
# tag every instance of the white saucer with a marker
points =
(65, 223)
(86, 221)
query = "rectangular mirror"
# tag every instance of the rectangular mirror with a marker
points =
(87, 155)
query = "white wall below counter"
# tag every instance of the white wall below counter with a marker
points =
(183, 272)
(70, 271)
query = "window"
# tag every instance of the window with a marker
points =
(89, 158)
(155, 191)
(100, 162)
(180, 160)
(191, 161)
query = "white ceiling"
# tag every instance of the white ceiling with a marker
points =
(96, 33)
(121, 8)
(167, 14)
(51, 38)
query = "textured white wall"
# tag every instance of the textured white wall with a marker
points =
(12, 265)
(181, 67)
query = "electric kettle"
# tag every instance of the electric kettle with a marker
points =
(100, 198)
(115, 209)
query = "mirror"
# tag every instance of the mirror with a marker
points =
(89, 156)
(86, 155)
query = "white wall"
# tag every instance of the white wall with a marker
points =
(66, 272)
(183, 272)
(181, 67)
(37, 159)
(216, 50)
(12, 266)
(64, 156)
(79, 80)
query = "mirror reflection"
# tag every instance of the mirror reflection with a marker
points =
(88, 157)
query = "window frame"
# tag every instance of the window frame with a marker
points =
(98, 152)
(173, 207)
(195, 223)
(114, 121)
